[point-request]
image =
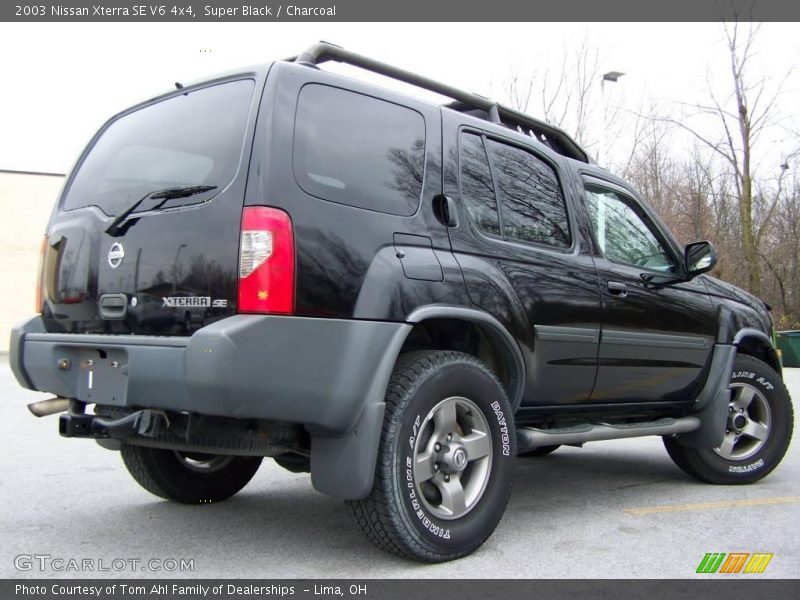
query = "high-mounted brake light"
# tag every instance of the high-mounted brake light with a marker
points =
(40, 277)
(266, 261)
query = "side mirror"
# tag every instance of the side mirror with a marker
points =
(699, 257)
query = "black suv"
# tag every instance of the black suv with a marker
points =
(397, 296)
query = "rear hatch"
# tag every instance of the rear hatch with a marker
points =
(145, 237)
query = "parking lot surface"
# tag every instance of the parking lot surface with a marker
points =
(616, 509)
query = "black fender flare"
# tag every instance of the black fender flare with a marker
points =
(504, 340)
(711, 404)
(343, 466)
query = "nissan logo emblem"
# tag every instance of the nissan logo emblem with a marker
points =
(460, 458)
(115, 255)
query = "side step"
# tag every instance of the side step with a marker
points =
(529, 438)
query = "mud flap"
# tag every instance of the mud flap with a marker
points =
(344, 467)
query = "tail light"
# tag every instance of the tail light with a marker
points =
(40, 277)
(266, 261)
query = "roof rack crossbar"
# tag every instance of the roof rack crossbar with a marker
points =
(497, 113)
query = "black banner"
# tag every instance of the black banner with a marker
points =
(407, 10)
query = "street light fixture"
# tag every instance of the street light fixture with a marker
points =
(612, 76)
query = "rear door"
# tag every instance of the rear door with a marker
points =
(656, 339)
(145, 236)
(524, 256)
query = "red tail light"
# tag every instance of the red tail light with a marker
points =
(40, 278)
(266, 261)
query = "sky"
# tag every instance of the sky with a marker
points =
(60, 82)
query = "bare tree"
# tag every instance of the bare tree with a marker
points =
(565, 97)
(742, 117)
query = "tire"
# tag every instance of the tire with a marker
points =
(189, 478)
(760, 396)
(540, 451)
(451, 500)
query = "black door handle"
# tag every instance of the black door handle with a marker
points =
(618, 289)
(113, 306)
(445, 210)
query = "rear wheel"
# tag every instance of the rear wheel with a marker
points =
(188, 477)
(757, 434)
(446, 459)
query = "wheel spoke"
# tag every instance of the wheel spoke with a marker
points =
(477, 445)
(423, 467)
(726, 448)
(451, 468)
(453, 498)
(756, 430)
(445, 419)
(744, 396)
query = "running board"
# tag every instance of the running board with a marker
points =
(529, 438)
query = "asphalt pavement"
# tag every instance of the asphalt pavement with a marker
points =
(616, 509)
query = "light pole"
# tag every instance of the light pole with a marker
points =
(175, 268)
(613, 77)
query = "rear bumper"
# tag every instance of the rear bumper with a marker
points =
(318, 372)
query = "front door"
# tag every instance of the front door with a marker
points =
(656, 339)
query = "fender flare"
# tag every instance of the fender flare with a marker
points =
(750, 332)
(711, 404)
(493, 327)
(344, 466)
(770, 351)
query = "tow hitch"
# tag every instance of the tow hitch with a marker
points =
(148, 423)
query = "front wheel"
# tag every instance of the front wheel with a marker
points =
(757, 433)
(446, 459)
(188, 477)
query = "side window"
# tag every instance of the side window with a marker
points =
(623, 236)
(532, 207)
(358, 150)
(477, 189)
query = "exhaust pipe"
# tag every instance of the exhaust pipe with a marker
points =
(47, 407)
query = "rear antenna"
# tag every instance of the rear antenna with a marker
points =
(178, 85)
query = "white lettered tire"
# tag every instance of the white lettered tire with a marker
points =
(446, 459)
(758, 431)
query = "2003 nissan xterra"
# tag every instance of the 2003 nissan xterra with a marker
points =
(397, 296)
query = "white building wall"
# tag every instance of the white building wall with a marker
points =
(26, 200)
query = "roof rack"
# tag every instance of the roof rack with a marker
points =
(467, 102)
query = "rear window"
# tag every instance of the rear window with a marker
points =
(186, 140)
(357, 150)
(477, 188)
(532, 207)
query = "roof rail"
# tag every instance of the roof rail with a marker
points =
(549, 135)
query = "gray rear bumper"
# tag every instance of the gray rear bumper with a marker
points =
(318, 372)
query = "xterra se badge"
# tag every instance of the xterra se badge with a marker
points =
(192, 302)
(115, 255)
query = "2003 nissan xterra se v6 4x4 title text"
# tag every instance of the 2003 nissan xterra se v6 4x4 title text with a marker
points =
(397, 296)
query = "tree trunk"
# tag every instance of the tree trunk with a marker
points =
(748, 238)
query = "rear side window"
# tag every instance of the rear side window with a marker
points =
(477, 189)
(187, 140)
(532, 207)
(357, 150)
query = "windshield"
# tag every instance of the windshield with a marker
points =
(193, 139)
